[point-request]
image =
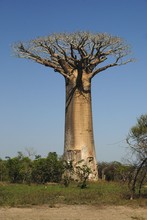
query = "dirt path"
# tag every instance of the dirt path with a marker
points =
(74, 213)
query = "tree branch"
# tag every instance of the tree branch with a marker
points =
(64, 66)
(102, 69)
(50, 63)
(64, 52)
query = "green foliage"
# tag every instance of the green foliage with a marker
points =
(83, 172)
(3, 170)
(140, 129)
(39, 171)
(21, 169)
(55, 167)
(79, 173)
(137, 141)
(68, 173)
(25, 170)
(48, 169)
(114, 171)
(137, 138)
(14, 165)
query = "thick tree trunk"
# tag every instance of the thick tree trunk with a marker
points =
(79, 139)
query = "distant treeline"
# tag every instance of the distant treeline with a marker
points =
(23, 169)
(53, 168)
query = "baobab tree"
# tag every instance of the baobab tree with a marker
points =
(78, 57)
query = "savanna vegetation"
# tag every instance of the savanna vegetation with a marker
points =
(97, 193)
(27, 180)
(39, 181)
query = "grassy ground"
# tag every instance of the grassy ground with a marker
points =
(101, 193)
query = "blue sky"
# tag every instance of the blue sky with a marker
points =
(32, 97)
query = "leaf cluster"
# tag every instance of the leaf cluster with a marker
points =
(137, 138)
(21, 169)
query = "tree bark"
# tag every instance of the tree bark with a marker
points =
(79, 138)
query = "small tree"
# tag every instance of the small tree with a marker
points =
(13, 165)
(40, 170)
(25, 170)
(55, 167)
(49, 169)
(3, 170)
(137, 141)
(68, 172)
(19, 169)
(82, 172)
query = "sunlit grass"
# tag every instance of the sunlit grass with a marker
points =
(100, 193)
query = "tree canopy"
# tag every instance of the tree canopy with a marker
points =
(65, 52)
(137, 140)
